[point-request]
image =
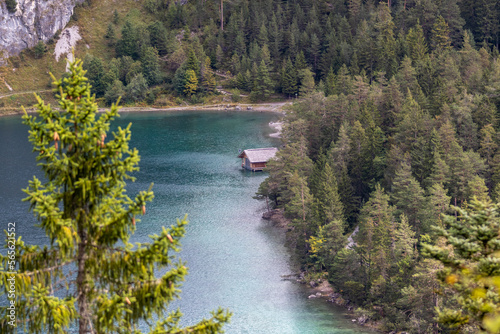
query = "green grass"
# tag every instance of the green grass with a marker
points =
(25, 73)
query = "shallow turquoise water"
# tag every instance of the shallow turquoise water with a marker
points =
(235, 258)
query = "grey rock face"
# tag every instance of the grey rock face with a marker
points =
(33, 21)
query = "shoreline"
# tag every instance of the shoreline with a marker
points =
(319, 288)
(274, 107)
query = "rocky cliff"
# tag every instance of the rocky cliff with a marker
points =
(34, 20)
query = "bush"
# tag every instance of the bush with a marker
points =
(236, 97)
(355, 291)
(137, 89)
(40, 49)
(151, 97)
(11, 5)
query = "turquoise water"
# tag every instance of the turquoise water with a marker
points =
(235, 258)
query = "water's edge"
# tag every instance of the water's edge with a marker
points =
(235, 258)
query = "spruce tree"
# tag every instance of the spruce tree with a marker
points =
(327, 200)
(299, 210)
(95, 73)
(207, 76)
(262, 86)
(470, 268)
(288, 78)
(105, 284)
(128, 45)
(416, 43)
(306, 83)
(375, 234)
(151, 66)
(330, 83)
(191, 83)
(407, 195)
(441, 35)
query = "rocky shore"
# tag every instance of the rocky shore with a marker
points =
(317, 288)
(260, 107)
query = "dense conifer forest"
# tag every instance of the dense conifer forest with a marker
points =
(296, 47)
(394, 140)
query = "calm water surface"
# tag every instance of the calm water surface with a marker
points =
(235, 258)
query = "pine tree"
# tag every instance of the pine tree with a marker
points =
(107, 283)
(191, 84)
(330, 240)
(327, 201)
(219, 57)
(359, 156)
(263, 35)
(306, 82)
(416, 43)
(330, 83)
(299, 210)
(207, 76)
(314, 49)
(127, 45)
(440, 35)
(374, 240)
(159, 37)
(470, 267)
(488, 143)
(386, 43)
(110, 35)
(300, 61)
(438, 203)
(275, 37)
(116, 17)
(192, 63)
(116, 90)
(95, 73)
(408, 196)
(262, 85)
(440, 171)
(476, 187)
(40, 49)
(11, 5)
(150, 62)
(288, 78)
(343, 85)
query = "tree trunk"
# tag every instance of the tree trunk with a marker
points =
(222, 15)
(85, 323)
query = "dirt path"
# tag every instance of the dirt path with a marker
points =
(270, 106)
(24, 92)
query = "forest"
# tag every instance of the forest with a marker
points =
(289, 48)
(394, 140)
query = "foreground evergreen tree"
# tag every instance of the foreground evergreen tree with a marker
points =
(471, 268)
(91, 276)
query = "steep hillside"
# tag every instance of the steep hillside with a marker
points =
(26, 71)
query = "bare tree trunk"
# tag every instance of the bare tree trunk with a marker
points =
(303, 204)
(222, 15)
(85, 323)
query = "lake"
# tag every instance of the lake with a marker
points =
(235, 258)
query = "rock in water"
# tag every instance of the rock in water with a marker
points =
(33, 21)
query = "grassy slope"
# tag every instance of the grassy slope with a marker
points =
(25, 73)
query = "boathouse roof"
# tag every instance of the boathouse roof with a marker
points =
(259, 154)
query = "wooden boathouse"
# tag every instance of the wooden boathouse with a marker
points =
(255, 159)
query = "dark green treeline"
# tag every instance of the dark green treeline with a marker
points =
(395, 136)
(284, 47)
